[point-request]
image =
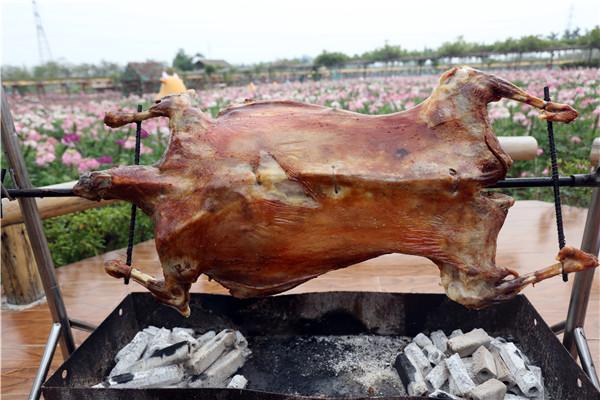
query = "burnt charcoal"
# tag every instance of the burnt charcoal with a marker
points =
(168, 351)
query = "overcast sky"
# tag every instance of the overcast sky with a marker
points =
(249, 31)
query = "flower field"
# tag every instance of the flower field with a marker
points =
(63, 136)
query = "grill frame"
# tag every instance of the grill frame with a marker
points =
(319, 313)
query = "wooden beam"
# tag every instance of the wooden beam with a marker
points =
(50, 206)
(519, 147)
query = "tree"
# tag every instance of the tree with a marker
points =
(531, 44)
(331, 59)
(52, 70)
(182, 61)
(14, 73)
(571, 37)
(592, 38)
(386, 54)
(458, 48)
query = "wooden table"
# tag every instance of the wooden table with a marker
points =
(527, 241)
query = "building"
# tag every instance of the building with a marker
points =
(140, 78)
(205, 63)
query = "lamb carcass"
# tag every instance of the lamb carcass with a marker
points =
(273, 193)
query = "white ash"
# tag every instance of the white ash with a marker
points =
(368, 358)
(470, 365)
(160, 357)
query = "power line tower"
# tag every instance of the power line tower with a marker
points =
(43, 45)
(570, 19)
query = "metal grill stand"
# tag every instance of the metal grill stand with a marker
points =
(61, 330)
(35, 231)
(574, 338)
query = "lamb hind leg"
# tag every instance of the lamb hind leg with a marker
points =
(169, 291)
(570, 260)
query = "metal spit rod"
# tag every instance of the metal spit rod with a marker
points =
(576, 180)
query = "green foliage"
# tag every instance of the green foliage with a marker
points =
(51, 69)
(573, 158)
(457, 48)
(385, 54)
(331, 59)
(58, 70)
(592, 39)
(210, 69)
(14, 73)
(76, 236)
(183, 61)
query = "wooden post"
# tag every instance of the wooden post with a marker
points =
(20, 279)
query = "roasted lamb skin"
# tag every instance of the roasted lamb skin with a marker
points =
(271, 194)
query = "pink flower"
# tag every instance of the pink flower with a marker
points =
(144, 149)
(128, 143)
(575, 139)
(144, 133)
(70, 138)
(545, 171)
(44, 153)
(104, 159)
(87, 164)
(44, 159)
(67, 124)
(34, 135)
(539, 151)
(71, 157)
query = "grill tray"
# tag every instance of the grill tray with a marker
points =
(329, 313)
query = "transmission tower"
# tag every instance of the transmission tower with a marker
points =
(43, 45)
(570, 19)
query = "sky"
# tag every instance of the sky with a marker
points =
(251, 31)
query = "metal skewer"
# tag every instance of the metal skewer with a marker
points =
(138, 137)
(555, 184)
(577, 180)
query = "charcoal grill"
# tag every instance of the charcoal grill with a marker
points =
(310, 314)
(328, 313)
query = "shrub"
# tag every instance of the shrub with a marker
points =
(88, 233)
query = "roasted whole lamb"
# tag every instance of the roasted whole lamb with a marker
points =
(273, 193)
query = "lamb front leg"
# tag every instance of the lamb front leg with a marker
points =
(551, 111)
(169, 291)
(138, 184)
